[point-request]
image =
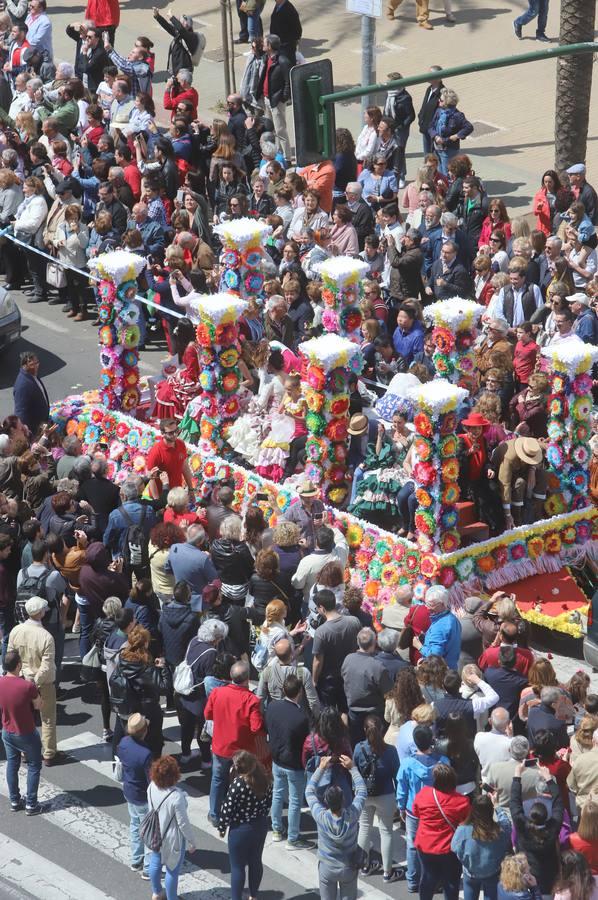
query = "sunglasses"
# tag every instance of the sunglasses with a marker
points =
(171, 433)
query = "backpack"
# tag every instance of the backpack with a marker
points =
(149, 829)
(30, 586)
(125, 698)
(259, 657)
(183, 681)
(135, 547)
(367, 770)
(111, 657)
(199, 48)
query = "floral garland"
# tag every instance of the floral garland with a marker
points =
(119, 332)
(436, 470)
(330, 360)
(569, 411)
(342, 291)
(218, 339)
(454, 332)
(241, 256)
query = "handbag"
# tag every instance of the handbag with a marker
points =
(441, 811)
(55, 275)
(91, 665)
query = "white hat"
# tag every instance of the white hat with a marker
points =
(577, 169)
(578, 298)
(35, 606)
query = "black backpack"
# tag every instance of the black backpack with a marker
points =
(30, 586)
(367, 770)
(136, 544)
(125, 696)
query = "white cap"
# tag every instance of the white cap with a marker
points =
(578, 298)
(35, 606)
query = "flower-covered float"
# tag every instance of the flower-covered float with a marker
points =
(342, 291)
(241, 256)
(454, 330)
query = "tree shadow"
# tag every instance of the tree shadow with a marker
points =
(471, 17)
(9, 367)
(311, 47)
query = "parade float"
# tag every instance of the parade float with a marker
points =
(380, 561)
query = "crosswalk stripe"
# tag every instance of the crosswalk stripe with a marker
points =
(110, 836)
(41, 877)
(299, 866)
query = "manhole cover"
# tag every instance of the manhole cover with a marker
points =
(215, 55)
(480, 129)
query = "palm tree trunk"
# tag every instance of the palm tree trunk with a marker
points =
(573, 84)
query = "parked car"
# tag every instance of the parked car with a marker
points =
(10, 320)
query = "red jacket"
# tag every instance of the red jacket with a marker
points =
(488, 227)
(171, 100)
(434, 834)
(541, 210)
(103, 13)
(237, 717)
(418, 618)
(524, 659)
(588, 849)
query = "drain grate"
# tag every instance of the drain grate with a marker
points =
(481, 129)
(216, 55)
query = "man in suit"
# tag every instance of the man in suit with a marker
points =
(448, 277)
(285, 23)
(30, 396)
(428, 108)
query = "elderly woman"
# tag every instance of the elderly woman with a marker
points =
(496, 339)
(233, 560)
(177, 508)
(28, 223)
(200, 656)
(529, 409)
(343, 236)
(379, 182)
(277, 323)
(482, 281)
(448, 128)
(311, 215)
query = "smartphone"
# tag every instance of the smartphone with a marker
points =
(180, 195)
(105, 36)
(529, 763)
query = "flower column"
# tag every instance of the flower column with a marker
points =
(454, 331)
(119, 313)
(241, 257)
(342, 290)
(569, 411)
(436, 470)
(330, 361)
(218, 338)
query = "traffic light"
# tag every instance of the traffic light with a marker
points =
(314, 132)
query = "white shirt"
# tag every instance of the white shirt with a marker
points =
(491, 746)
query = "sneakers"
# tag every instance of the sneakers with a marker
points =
(277, 837)
(394, 875)
(299, 844)
(145, 876)
(17, 806)
(34, 810)
(517, 30)
(107, 735)
(544, 38)
(76, 629)
(137, 867)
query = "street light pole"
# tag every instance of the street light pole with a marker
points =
(225, 45)
(368, 59)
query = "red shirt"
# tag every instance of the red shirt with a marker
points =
(170, 460)
(434, 834)
(418, 618)
(16, 698)
(524, 360)
(183, 519)
(132, 176)
(172, 100)
(524, 659)
(237, 717)
(477, 460)
(588, 849)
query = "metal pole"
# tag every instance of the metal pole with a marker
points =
(499, 63)
(232, 47)
(368, 59)
(225, 49)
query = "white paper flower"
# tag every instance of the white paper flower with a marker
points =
(342, 271)
(242, 233)
(119, 265)
(437, 396)
(572, 356)
(330, 351)
(456, 313)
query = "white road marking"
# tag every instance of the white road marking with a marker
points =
(40, 320)
(40, 877)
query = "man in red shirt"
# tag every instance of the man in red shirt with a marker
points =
(179, 89)
(132, 175)
(238, 722)
(18, 698)
(169, 455)
(507, 635)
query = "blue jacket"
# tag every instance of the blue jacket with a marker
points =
(387, 766)
(31, 402)
(190, 564)
(586, 326)
(443, 638)
(415, 773)
(136, 759)
(337, 835)
(482, 859)
(114, 536)
(408, 343)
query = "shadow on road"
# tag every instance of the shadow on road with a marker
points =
(9, 365)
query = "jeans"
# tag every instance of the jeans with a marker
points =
(384, 806)
(245, 848)
(337, 884)
(31, 745)
(6, 623)
(427, 144)
(139, 852)
(288, 783)
(221, 766)
(171, 881)
(254, 23)
(413, 866)
(243, 23)
(407, 504)
(86, 621)
(357, 478)
(445, 155)
(473, 886)
(537, 8)
(439, 868)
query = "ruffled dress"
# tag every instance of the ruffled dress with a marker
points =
(276, 446)
(177, 390)
(377, 494)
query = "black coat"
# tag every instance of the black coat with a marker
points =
(428, 108)
(263, 591)
(31, 401)
(183, 46)
(542, 718)
(405, 271)
(237, 618)
(278, 81)
(93, 66)
(288, 726)
(458, 281)
(178, 625)
(473, 219)
(363, 222)
(233, 561)
(285, 22)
